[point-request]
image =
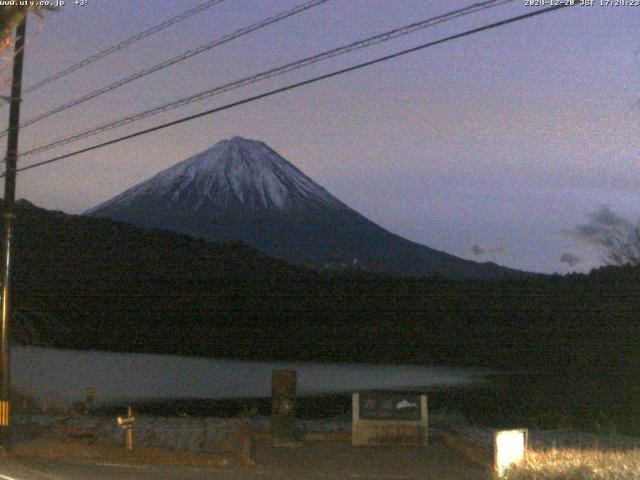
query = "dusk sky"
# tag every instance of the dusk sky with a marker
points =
(489, 147)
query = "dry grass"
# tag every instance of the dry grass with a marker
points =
(569, 464)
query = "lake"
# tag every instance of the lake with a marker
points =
(60, 377)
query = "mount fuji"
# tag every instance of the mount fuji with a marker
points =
(242, 190)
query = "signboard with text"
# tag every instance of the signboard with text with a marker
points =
(389, 418)
(389, 406)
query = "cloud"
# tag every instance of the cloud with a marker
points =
(501, 250)
(615, 236)
(605, 217)
(570, 259)
(478, 250)
(602, 225)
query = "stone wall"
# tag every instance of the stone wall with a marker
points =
(191, 434)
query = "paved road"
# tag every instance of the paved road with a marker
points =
(315, 461)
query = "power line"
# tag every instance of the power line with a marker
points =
(123, 44)
(172, 61)
(376, 39)
(297, 85)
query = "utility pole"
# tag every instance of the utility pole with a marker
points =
(9, 199)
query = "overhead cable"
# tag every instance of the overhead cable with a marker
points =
(370, 41)
(123, 44)
(296, 85)
(172, 61)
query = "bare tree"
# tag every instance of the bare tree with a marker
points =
(616, 236)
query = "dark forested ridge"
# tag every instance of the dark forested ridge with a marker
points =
(98, 284)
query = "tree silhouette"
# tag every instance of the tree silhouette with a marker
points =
(617, 236)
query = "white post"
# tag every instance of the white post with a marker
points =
(355, 402)
(508, 448)
(424, 418)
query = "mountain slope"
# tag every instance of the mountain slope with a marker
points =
(57, 248)
(243, 190)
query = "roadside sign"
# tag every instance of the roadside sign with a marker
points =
(127, 425)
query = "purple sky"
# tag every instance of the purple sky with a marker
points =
(501, 140)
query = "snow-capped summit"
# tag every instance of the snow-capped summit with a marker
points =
(243, 190)
(233, 173)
